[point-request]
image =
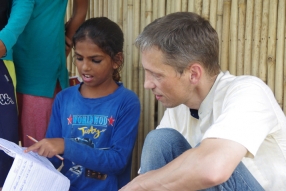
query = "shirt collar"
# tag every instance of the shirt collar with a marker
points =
(207, 104)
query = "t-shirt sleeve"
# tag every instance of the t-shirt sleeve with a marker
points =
(247, 115)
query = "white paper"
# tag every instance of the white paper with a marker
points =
(31, 171)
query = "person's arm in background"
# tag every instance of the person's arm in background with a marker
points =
(2, 49)
(78, 17)
(21, 12)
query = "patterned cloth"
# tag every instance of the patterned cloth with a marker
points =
(40, 109)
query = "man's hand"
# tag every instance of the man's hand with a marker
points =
(48, 147)
(2, 49)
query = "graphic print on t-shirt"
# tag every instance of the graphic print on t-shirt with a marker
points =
(87, 129)
(5, 99)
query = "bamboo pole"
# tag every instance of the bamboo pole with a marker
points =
(184, 5)
(105, 8)
(116, 10)
(225, 35)
(149, 97)
(125, 48)
(87, 16)
(136, 32)
(95, 8)
(240, 43)
(129, 45)
(206, 9)
(141, 76)
(248, 38)
(110, 13)
(136, 82)
(74, 71)
(155, 9)
(284, 79)
(72, 56)
(233, 37)
(168, 7)
(128, 26)
(91, 9)
(280, 53)
(264, 41)
(219, 25)
(176, 6)
(161, 108)
(256, 38)
(161, 9)
(100, 8)
(135, 62)
(271, 51)
(198, 7)
(120, 14)
(191, 5)
(69, 58)
(213, 11)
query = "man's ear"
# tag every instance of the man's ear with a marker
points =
(195, 73)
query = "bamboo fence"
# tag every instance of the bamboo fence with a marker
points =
(252, 42)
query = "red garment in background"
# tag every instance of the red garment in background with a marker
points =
(36, 125)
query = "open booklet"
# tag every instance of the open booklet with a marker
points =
(31, 171)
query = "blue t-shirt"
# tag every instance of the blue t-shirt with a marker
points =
(99, 136)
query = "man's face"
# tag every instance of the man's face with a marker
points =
(169, 87)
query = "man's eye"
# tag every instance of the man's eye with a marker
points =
(156, 76)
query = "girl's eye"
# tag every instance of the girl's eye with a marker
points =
(96, 61)
(78, 58)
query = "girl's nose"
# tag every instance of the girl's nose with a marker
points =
(85, 65)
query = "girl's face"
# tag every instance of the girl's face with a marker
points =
(94, 66)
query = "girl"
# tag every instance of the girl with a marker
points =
(94, 124)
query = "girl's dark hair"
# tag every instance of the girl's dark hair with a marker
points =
(107, 35)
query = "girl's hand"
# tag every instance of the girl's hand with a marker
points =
(48, 147)
(68, 46)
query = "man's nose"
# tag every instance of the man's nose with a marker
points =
(148, 82)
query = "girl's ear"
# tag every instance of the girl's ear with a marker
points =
(118, 60)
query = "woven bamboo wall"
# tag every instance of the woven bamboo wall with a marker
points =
(252, 42)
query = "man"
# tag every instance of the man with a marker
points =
(219, 132)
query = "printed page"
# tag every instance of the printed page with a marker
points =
(31, 171)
